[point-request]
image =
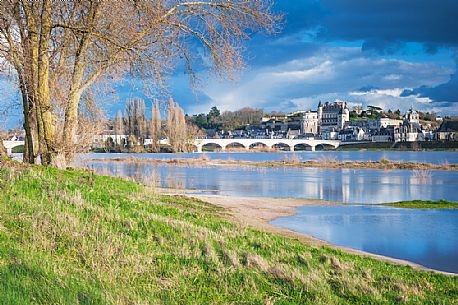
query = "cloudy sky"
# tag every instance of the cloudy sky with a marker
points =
(388, 53)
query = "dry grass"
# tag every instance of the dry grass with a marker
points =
(291, 158)
(292, 161)
(324, 159)
(422, 176)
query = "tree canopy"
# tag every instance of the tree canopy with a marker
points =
(61, 50)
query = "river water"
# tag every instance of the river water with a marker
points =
(427, 237)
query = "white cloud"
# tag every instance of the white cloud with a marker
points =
(393, 77)
(318, 73)
(332, 73)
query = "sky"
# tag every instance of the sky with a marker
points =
(395, 54)
(388, 53)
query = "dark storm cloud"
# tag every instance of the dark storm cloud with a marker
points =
(386, 23)
(383, 26)
(446, 94)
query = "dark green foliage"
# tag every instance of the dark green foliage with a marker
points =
(425, 204)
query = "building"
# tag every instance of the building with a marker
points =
(284, 126)
(309, 122)
(448, 131)
(410, 130)
(332, 116)
(384, 134)
(385, 122)
(100, 140)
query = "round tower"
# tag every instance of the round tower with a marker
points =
(320, 111)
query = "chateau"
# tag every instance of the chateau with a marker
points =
(333, 116)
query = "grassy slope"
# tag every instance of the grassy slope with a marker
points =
(69, 237)
(424, 204)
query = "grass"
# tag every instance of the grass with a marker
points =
(424, 204)
(72, 237)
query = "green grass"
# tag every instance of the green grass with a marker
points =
(424, 204)
(72, 237)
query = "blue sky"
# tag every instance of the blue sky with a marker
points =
(389, 53)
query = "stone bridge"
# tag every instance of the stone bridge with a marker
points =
(9, 145)
(270, 143)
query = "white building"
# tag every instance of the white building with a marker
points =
(333, 116)
(410, 130)
(385, 122)
(309, 122)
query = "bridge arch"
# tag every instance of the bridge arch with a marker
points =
(9, 145)
(234, 145)
(258, 145)
(210, 146)
(304, 146)
(282, 146)
(325, 146)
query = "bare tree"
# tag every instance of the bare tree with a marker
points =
(192, 132)
(136, 118)
(155, 127)
(119, 128)
(60, 49)
(171, 125)
(91, 122)
(181, 134)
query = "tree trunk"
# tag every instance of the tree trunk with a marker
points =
(31, 72)
(28, 155)
(20, 63)
(44, 99)
(71, 109)
(3, 152)
(71, 121)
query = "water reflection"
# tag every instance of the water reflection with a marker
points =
(426, 237)
(341, 185)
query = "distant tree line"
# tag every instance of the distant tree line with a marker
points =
(137, 127)
(377, 112)
(228, 120)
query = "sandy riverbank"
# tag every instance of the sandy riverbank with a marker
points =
(258, 212)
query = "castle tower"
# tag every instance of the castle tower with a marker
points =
(319, 117)
(320, 111)
(412, 116)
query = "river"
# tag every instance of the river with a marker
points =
(426, 237)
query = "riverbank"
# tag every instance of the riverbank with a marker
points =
(424, 204)
(402, 146)
(70, 237)
(291, 161)
(258, 212)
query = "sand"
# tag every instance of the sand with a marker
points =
(257, 212)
